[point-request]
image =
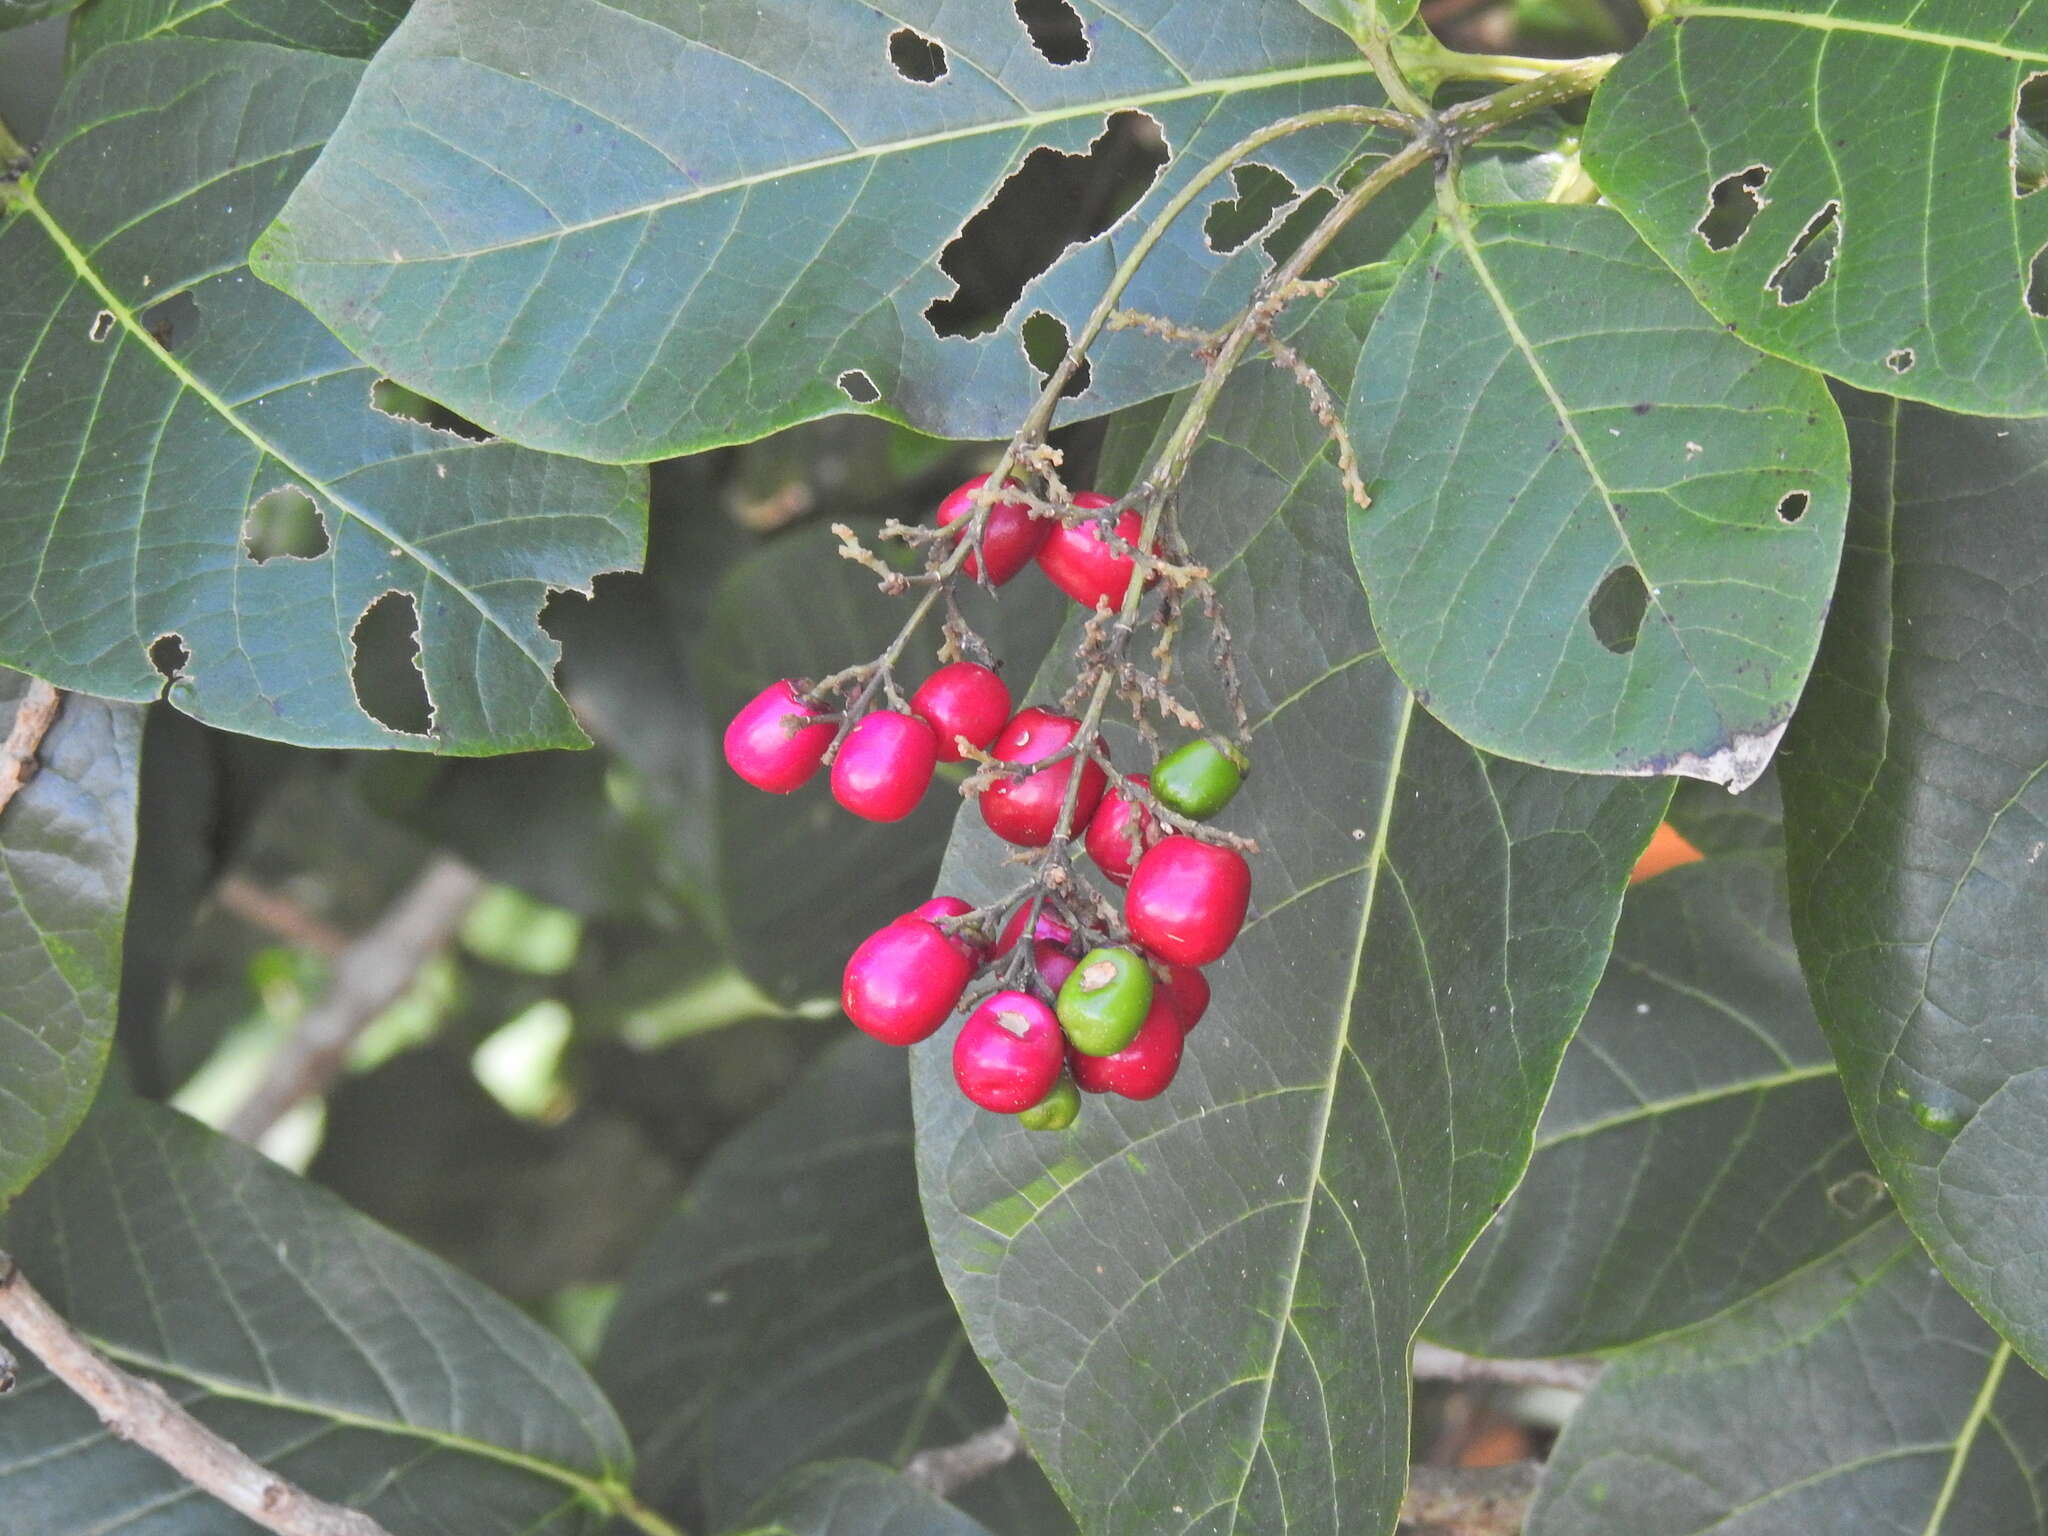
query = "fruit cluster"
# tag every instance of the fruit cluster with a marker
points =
(1099, 1003)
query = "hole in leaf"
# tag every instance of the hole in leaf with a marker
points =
(285, 522)
(2028, 144)
(385, 672)
(1732, 207)
(1812, 257)
(174, 324)
(1792, 506)
(916, 56)
(1053, 200)
(394, 399)
(858, 387)
(1617, 607)
(1056, 30)
(1045, 343)
(102, 325)
(1261, 193)
(2037, 283)
(168, 655)
(1900, 361)
(1306, 215)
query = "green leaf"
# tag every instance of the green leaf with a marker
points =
(136, 461)
(790, 1311)
(1858, 1395)
(329, 1350)
(1917, 815)
(1360, 16)
(628, 235)
(851, 1498)
(1201, 1306)
(351, 28)
(19, 13)
(1697, 1146)
(67, 847)
(1836, 181)
(1551, 427)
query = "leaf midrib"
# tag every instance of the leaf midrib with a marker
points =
(1827, 22)
(1683, 1101)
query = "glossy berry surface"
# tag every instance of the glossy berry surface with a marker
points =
(951, 906)
(760, 747)
(1048, 926)
(1142, 1069)
(1187, 989)
(1117, 831)
(903, 981)
(963, 698)
(1056, 1111)
(1025, 810)
(1103, 1003)
(1009, 538)
(884, 766)
(1007, 1055)
(1187, 900)
(1054, 964)
(1082, 564)
(1200, 778)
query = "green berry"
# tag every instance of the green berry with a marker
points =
(1056, 1111)
(1103, 1003)
(1199, 779)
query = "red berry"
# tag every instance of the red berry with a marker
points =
(963, 699)
(950, 906)
(1118, 833)
(764, 751)
(1009, 537)
(1188, 990)
(1026, 810)
(1047, 927)
(1187, 900)
(1077, 560)
(903, 981)
(1008, 1054)
(884, 766)
(1054, 964)
(1142, 1069)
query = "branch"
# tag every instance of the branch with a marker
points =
(1471, 1501)
(277, 914)
(945, 1469)
(33, 718)
(143, 1414)
(372, 974)
(1435, 1363)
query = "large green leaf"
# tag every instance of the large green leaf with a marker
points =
(1200, 1307)
(791, 1312)
(1917, 814)
(16, 13)
(155, 395)
(67, 845)
(352, 28)
(1697, 1146)
(1858, 1397)
(851, 1498)
(633, 230)
(1549, 424)
(341, 1356)
(1862, 161)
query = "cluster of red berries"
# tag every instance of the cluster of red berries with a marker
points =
(1120, 1012)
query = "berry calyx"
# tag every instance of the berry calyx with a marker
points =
(762, 748)
(1056, 1111)
(1200, 778)
(1007, 1055)
(1187, 900)
(1054, 964)
(1143, 1068)
(1009, 537)
(1104, 1001)
(1081, 563)
(1026, 810)
(1187, 989)
(951, 906)
(903, 981)
(884, 766)
(1048, 926)
(962, 698)
(1118, 833)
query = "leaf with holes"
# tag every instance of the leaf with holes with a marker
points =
(1917, 815)
(67, 846)
(632, 235)
(1203, 1303)
(1857, 1395)
(198, 481)
(329, 1350)
(351, 28)
(1847, 184)
(1603, 530)
(1697, 1146)
(790, 1312)
(852, 1498)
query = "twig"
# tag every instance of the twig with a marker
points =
(33, 718)
(276, 913)
(143, 1414)
(1471, 1501)
(1435, 1363)
(947, 1468)
(371, 975)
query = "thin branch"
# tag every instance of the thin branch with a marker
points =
(33, 718)
(277, 914)
(1435, 1363)
(945, 1469)
(1471, 1501)
(372, 974)
(144, 1415)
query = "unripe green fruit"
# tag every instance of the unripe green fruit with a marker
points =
(1103, 1004)
(1056, 1111)
(1199, 779)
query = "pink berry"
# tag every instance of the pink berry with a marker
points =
(1048, 926)
(903, 981)
(1187, 900)
(1054, 964)
(884, 766)
(765, 751)
(1119, 832)
(1008, 1054)
(1187, 989)
(1026, 810)
(1009, 537)
(950, 906)
(963, 699)
(1077, 559)
(1142, 1069)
